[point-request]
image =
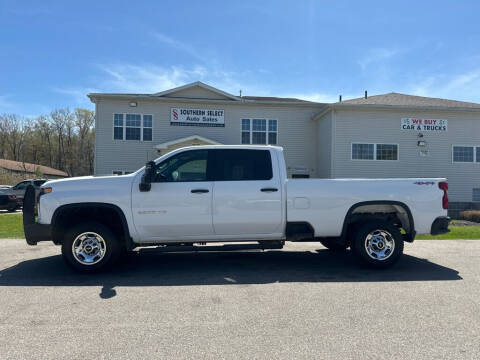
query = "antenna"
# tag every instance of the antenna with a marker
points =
(366, 94)
(240, 92)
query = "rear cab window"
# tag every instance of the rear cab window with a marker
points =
(242, 165)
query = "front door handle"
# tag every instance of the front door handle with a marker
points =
(269, 189)
(199, 191)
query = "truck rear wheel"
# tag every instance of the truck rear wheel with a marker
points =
(90, 247)
(377, 244)
(333, 245)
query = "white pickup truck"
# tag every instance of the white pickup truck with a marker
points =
(236, 195)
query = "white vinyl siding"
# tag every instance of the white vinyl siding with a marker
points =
(365, 151)
(259, 131)
(132, 127)
(296, 132)
(383, 126)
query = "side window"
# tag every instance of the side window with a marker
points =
(39, 183)
(22, 186)
(237, 165)
(186, 166)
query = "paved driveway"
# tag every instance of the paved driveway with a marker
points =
(297, 303)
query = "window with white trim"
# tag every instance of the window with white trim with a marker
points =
(387, 152)
(476, 194)
(121, 172)
(362, 151)
(118, 126)
(147, 127)
(259, 131)
(463, 154)
(132, 127)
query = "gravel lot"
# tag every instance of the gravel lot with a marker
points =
(302, 302)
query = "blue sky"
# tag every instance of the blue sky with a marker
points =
(55, 52)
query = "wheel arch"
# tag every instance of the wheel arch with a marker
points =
(375, 207)
(91, 211)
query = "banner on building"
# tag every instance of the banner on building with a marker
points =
(197, 117)
(425, 125)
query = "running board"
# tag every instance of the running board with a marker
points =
(206, 248)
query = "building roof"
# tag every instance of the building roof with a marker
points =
(170, 94)
(165, 145)
(30, 168)
(274, 98)
(200, 85)
(396, 99)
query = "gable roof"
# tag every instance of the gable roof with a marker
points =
(30, 168)
(165, 145)
(197, 84)
(274, 98)
(184, 95)
(403, 100)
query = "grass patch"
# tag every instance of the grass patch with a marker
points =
(456, 232)
(11, 226)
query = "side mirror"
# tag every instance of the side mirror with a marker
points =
(148, 176)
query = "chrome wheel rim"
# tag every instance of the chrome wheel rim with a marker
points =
(379, 245)
(89, 248)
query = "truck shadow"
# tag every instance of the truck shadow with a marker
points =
(150, 268)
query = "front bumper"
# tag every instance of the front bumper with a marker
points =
(34, 232)
(440, 225)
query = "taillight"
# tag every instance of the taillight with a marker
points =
(443, 185)
(12, 197)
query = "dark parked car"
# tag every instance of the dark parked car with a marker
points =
(8, 202)
(17, 192)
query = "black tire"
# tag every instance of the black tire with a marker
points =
(361, 241)
(333, 245)
(11, 209)
(112, 247)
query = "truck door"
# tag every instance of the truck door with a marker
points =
(247, 194)
(179, 203)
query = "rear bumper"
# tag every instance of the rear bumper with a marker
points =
(440, 225)
(34, 232)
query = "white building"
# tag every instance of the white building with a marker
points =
(391, 135)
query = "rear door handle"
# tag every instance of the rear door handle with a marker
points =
(199, 191)
(269, 189)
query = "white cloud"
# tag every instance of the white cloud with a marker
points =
(179, 45)
(462, 86)
(377, 55)
(79, 95)
(149, 78)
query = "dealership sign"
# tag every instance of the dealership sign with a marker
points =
(426, 125)
(197, 117)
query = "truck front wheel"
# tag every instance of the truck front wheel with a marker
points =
(90, 247)
(377, 244)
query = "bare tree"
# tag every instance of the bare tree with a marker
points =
(63, 140)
